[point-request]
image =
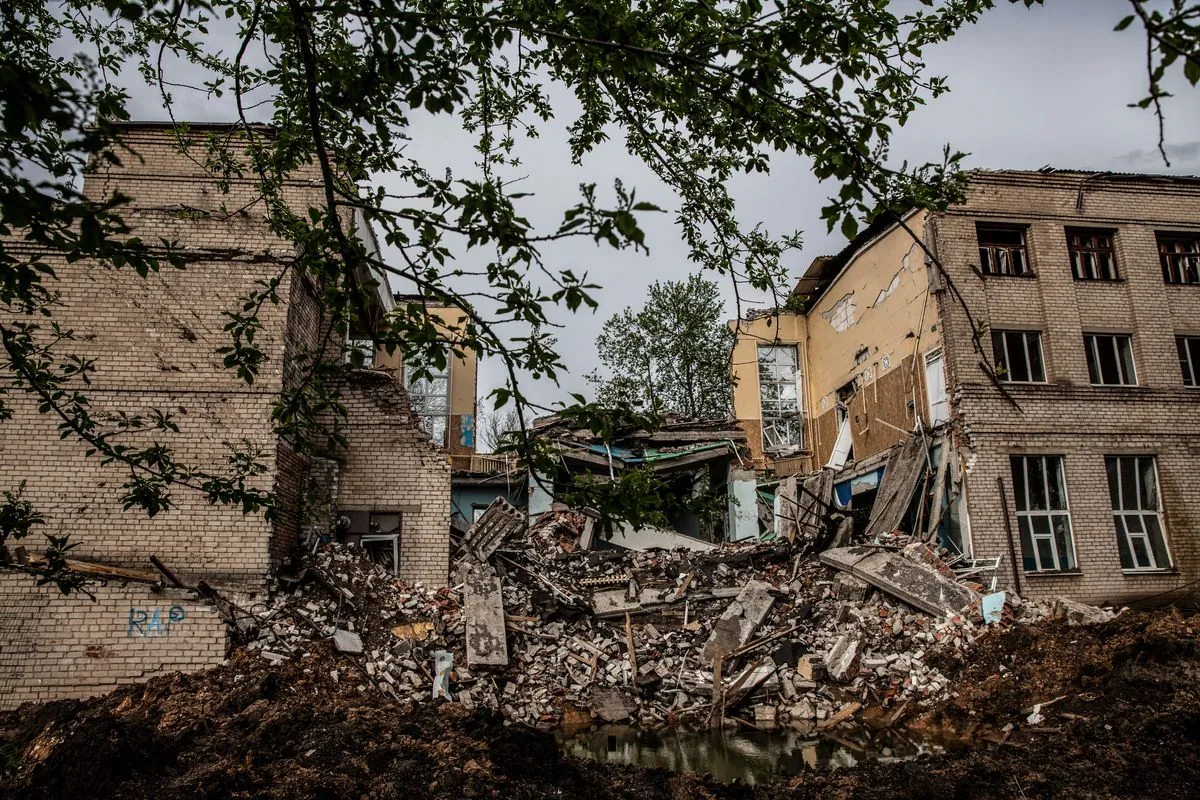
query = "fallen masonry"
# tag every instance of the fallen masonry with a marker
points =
(546, 632)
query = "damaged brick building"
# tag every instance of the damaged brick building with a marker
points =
(1055, 352)
(155, 343)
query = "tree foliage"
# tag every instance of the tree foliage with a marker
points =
(700, 91)
(672, 355)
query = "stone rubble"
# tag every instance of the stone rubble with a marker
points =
(825, 641)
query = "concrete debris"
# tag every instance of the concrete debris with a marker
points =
(347, 641)
(1077, 614)
(842, 658)
(740, 620)
(799, 640)
(905, 576)
(483, 615)
(443, 662)
(499, 522)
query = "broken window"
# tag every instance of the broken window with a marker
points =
(1040, 494)
(1002, 249)
(1110, 359)
(935, 388)
(1092, 254)
(1018, 356)
(1179, 254)
(361, 348)
(1137, 512)
(1189, 358)
(431, 400)
(779, 396)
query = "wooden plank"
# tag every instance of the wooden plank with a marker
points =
(846, 712)
(904, 470)
(483, 613)
(103, 570)
(632, 653)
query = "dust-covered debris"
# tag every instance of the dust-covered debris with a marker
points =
(539, 630)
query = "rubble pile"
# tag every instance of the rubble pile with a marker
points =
(551, 634)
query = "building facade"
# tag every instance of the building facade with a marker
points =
(1050, 323)
(155, 342)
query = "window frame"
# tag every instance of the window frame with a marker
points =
(430, 423)
(987, 261)
(1121, 515)
(363, 345)
(1030, 549)
(1074, 253)
(1184, 264)
(1003, 334)
(1095, 367)
(793, 420)
(939, 409)
(1188, 347)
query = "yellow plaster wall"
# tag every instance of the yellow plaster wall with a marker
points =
(463, 380)
(782, 328)
(897, 326)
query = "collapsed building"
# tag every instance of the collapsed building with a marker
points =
(691, 458)
(155, 342)
(1016, 379)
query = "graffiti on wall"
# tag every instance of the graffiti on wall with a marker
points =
(157, 621)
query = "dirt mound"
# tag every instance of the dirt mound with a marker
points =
(251, 730)
(1128, 726)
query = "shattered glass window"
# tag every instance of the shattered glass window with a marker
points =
(1040, 492)
(1137, 512)
(1092, 255)
(431, 400)
(1002, 249)
(1180, 257)
(1110, 359)
(779, 397)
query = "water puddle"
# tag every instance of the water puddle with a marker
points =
(752, 756)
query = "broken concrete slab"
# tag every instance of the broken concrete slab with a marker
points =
(842, 658)
(648, 538)
(617, 602)
(1080, 614)
(483, 613)
(740, 620)
(747, 681)
(610, 704)
(500, 522)
(347, 641)
(919, 585)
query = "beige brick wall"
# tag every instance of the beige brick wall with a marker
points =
(1067, 416)
(154, 341)
(392, 466)
(53, 646)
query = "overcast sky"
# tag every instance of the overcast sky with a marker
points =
(1029, 87)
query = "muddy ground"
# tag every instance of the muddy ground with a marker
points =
(1128, 726)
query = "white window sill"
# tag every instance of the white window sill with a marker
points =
(1151, 571)
(1055, 573)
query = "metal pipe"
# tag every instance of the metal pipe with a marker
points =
(1012, 551)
